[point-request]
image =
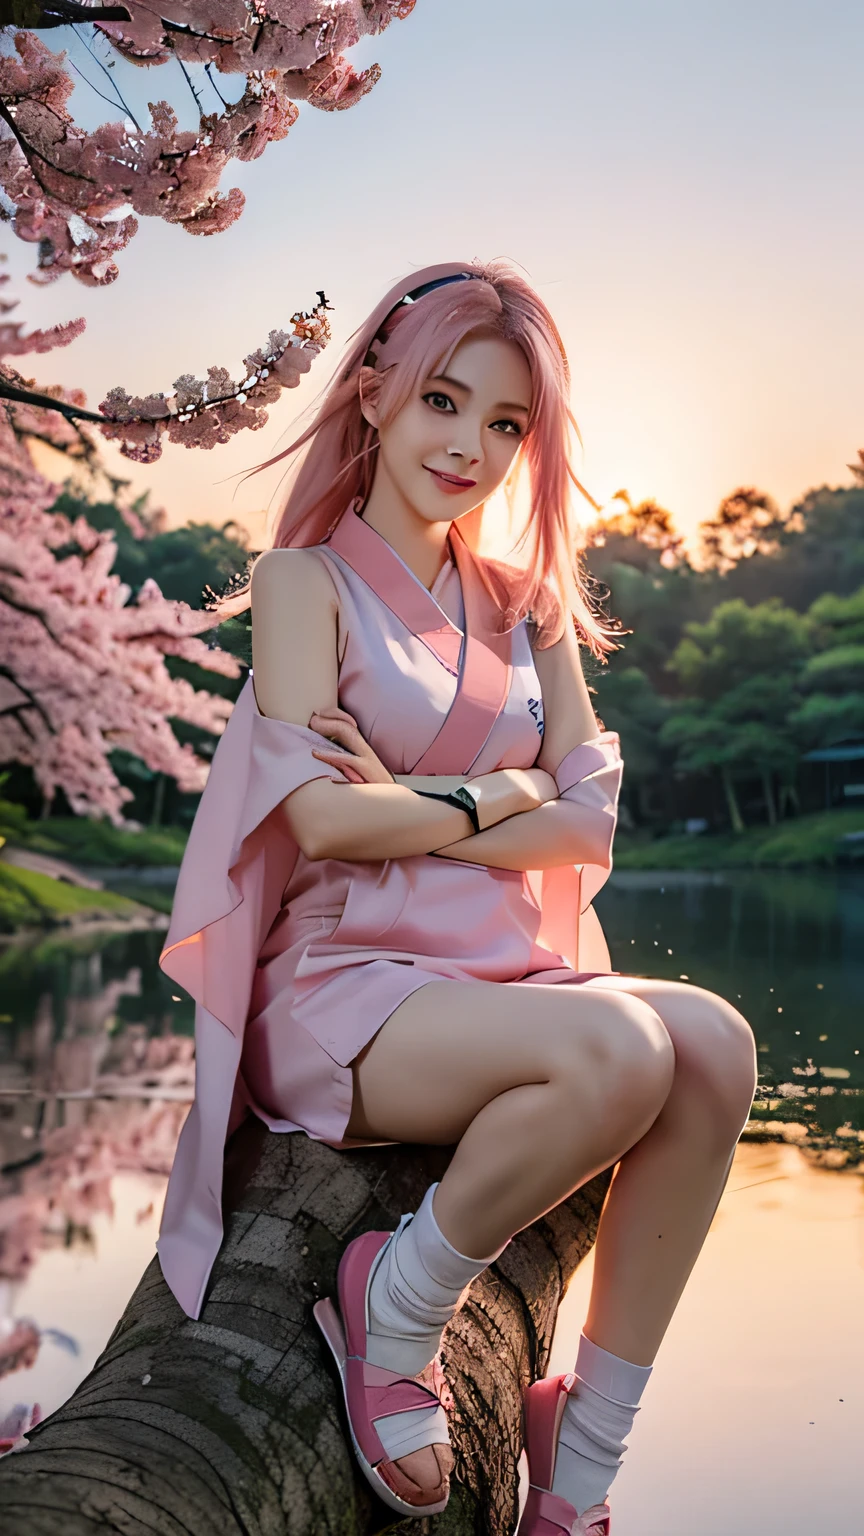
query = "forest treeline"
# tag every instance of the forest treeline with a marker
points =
(742, 657)
(736, 657)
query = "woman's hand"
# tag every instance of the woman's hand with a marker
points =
(351, 755)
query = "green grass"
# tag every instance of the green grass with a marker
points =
(158, 897)
(31, 900)
(91, 842)
(804, 840)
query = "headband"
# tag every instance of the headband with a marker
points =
(412, 297)
(373, 358)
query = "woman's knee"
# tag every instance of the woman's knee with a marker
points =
(623, 1050)
(716, 1053)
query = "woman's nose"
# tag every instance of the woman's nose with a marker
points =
(469, 452)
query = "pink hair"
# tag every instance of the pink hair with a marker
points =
(339, 463)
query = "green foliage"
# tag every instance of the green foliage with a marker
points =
(630, 705)
(842, 617)
(92, 842)
(841, 667)
(97, 842)
(803, 840)
(749, 666)
(820, 549)
(652, 602)
(823, 720)
(736, 642)
(13, 818)
(29, 899)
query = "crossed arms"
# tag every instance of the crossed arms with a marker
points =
(528, 821)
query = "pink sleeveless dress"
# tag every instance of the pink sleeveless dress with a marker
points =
(296, 964)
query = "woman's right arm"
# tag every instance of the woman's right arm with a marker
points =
(296, 673)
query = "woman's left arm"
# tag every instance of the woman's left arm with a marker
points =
(577, 827)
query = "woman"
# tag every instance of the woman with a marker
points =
(389, 933)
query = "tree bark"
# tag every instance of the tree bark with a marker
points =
(234, 1425)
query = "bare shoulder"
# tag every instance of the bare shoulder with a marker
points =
(294, 630)
(293, 577)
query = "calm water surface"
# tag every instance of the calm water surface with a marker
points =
(96, 1072)
(787, 948)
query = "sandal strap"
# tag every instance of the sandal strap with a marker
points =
(372, 1392)
(375, 1393)
(543, 1505)
(544, 1406)
(395, 1393)
(559, 1515)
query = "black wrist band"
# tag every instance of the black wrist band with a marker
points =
(462, 798)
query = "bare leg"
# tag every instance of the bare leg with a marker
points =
(666, 1189)
(541, 1086)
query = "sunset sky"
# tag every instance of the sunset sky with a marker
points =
(681, 182)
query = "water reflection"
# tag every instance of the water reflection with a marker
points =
(787, 947)
(96, 1072)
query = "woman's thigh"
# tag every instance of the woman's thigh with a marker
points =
(452, 1046)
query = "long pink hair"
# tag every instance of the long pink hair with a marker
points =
(339, 463)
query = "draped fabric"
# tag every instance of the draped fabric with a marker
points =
(293, 964)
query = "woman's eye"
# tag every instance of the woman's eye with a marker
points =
(434, 398)
(509, 426)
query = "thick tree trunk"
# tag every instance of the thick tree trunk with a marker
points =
(234, 1425)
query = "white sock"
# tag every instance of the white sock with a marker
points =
(599, 1413)
(415, 1288)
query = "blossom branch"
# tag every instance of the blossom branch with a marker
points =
(67, 186)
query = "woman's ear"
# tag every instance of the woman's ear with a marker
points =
(370, 393)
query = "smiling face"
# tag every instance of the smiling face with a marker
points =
(452, 444)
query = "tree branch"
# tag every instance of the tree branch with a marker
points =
(47, 403)
(233, 1425)
(56, 13)
(28, 702)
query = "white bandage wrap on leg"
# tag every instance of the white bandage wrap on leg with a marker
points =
(414, 1289)
(599, 1413)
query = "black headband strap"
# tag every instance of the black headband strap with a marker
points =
(411, 298)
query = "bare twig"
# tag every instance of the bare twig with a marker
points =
(114, 86)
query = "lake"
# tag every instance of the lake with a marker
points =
(765, 1350)
(787, 948)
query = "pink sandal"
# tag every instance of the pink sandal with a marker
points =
(371, 1392)
(546, 1513)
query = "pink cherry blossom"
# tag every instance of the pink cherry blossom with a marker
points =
(205, 412)
(82, 669)
(67, 186)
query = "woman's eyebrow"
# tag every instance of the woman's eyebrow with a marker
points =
(503, 405)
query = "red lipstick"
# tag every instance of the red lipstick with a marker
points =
(450, 484)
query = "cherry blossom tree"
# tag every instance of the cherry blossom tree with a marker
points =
(75, 194)
(201, 412)
(82, 669)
